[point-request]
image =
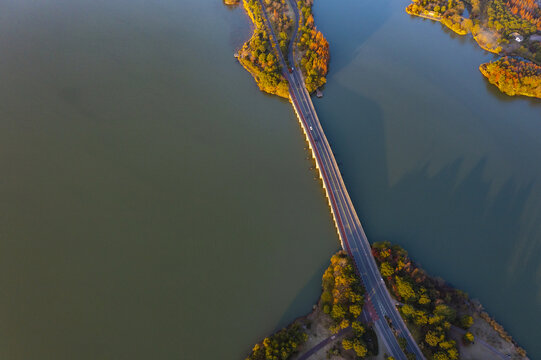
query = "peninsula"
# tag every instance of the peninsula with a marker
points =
(447, 324)
(258, 57)
(510, 28)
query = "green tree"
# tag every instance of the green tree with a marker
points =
(468, 338)
(433, 339)
(355, 310)
(338, 312)
(466, 321)
(440, 356)
(421, 318)
(448, 344)
(386, 269)
(404, 288)
(357, 328)
(347, 344)
(360, 348)
(453, 353)
(326, 297)
(407, 310)
(424, 299)
(447, 312)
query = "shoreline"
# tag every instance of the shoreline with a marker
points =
(491, 41)
(281, 87)
(436, 18)
(491, 342)
(503, 74)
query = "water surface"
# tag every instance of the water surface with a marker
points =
(154, 204)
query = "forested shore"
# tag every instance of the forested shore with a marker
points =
(444, 321)
(505, 27)
(259, 57)
(514, 76)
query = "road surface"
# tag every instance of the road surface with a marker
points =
(323, 343)
(350, 230)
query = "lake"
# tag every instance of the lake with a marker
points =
(155, 204)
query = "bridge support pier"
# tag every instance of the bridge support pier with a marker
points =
(305, 131)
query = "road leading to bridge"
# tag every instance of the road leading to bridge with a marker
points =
(387, 320)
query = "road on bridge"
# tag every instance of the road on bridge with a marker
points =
(388, 323)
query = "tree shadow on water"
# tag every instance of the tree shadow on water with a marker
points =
(494, 91)
(469, 234)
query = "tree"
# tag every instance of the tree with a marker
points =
(337, 312)
(355, 310)
(386, 269)
(468, 338)
(358, 328)
(404, 288)
(424, 299)
(448, 344)
(453, 353)
(466, 321)
(344, 324)
(360, 348)
(347, 344)
(335, 328)
(443, 310)
(440, 356)
(280, 345)
(407, 310)
(421, 318)
(467, 25)
(433, 339)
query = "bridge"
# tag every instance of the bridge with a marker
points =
(387, 321)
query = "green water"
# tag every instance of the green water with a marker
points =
(155, 204)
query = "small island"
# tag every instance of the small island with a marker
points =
(445, 322)
(260, 59)
(510, 28)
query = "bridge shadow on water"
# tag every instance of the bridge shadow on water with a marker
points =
(463, 233)
(478, 236)
(409, 209)
(466, 228)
